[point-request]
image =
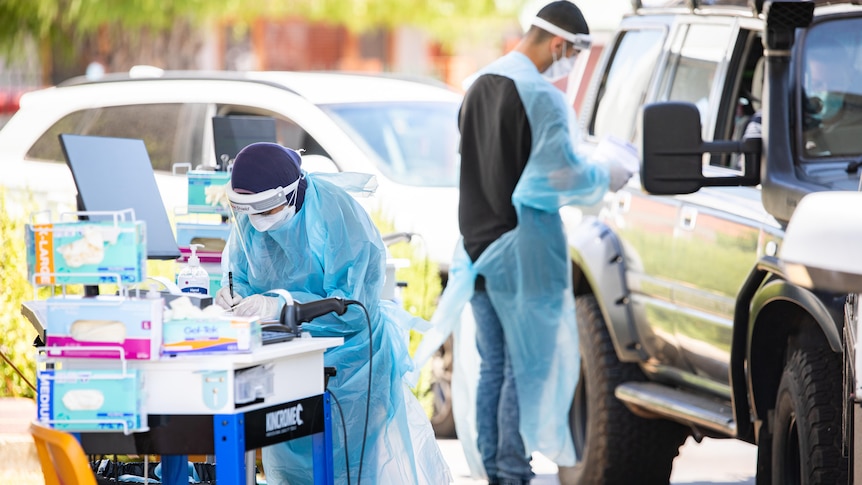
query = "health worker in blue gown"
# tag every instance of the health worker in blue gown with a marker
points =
(519, 165)
(306, 234)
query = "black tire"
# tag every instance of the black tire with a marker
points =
(442, 419)
(614, 446)
(806, 431)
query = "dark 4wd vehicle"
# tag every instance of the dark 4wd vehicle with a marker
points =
(689, 324)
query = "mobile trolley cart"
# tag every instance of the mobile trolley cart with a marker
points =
(205, 405)
(222, 404)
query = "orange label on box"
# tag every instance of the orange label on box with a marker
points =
(44, 253)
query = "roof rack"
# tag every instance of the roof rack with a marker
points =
(690, 4)
(149, 73)
(181, 75)
(755, 5)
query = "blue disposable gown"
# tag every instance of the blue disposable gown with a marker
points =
(331, 248)
(528, 271)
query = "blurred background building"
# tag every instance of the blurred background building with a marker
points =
(287, 43)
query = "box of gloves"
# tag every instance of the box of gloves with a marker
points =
(206, 191)
(86, 252)
(105, 326)
(91, 400)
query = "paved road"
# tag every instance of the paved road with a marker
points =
(711, 462)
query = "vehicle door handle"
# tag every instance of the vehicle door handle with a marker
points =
(688, 218)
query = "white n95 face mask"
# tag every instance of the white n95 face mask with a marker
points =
(560, 68)
(278, 219)
(272, 221)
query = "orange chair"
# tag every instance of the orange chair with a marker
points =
(63, 460)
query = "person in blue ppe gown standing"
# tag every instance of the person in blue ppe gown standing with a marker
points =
(306, 234)
(519, 166)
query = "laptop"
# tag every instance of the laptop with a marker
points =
(115, 174)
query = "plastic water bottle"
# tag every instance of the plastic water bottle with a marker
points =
(193, 278)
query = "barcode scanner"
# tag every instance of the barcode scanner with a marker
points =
(294, 314)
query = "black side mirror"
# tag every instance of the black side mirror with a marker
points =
(673, 151)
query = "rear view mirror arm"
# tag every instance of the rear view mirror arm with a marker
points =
(750, 147)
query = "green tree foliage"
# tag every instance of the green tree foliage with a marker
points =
(418, 275)
(56, 21)
(16, 333)
(421, 278)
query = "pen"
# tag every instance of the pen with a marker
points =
(230, 282)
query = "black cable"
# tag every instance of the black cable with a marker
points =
(344, 431)
(368, 400)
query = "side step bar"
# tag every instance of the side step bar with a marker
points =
(669, 403)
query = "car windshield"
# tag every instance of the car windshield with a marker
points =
(415, 143)
(831, 94)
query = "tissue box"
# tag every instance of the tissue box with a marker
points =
(130, 324)
(208, 335)
(96, 400)
(86, 252)
(200, 182)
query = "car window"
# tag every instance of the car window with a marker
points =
(690, 76)
(287, 132)
(291, 134)
(625, 82)
(831, 93)
(412, 143)
(172, 133)
(741, 107)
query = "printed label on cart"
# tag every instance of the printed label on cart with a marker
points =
(44, 253)
(45, 395)
(284, 422)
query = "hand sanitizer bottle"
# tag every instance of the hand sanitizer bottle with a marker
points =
(193, 278)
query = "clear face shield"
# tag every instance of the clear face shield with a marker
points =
(251, 204)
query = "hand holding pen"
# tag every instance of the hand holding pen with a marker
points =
(226, 297)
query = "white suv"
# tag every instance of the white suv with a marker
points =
(402, 131)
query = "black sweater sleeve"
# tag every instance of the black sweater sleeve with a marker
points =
(495, 146)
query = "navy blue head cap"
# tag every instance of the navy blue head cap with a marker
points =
(262, 166)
